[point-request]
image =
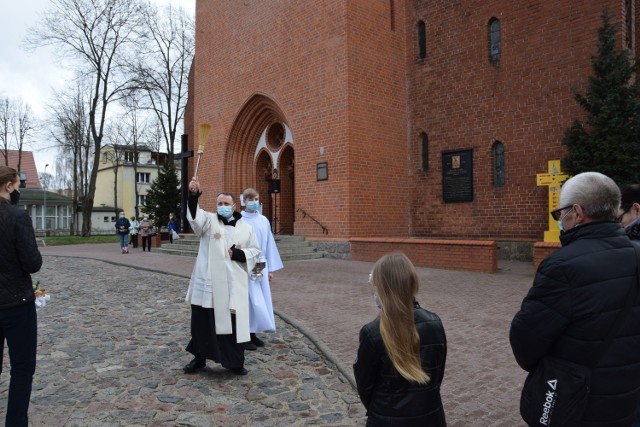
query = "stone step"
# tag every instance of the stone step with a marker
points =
(301, 257)
(300, 250)
(170, 250)
(291, 248)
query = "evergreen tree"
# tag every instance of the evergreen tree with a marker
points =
(608, 141)
(163, 196)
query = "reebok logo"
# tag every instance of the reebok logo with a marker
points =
(549, 402)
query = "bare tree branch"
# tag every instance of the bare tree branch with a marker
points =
(95, 33)
(163, 64)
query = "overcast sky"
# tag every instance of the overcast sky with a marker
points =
(32, 76)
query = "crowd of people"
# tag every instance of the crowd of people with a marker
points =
(128, 230)
(576, 332)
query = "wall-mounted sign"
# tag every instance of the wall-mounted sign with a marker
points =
(457, 176)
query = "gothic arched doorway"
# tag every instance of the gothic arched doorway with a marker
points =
(261, 146)
(275, 177)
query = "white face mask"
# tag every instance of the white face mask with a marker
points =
(376, 302)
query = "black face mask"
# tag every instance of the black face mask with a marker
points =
(15, 197)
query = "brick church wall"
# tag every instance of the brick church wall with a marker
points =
(344, 77)
(525, 101)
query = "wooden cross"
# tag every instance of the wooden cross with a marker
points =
(184, 180)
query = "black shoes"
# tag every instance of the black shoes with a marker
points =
(195, 365)
(239, 371)
(253, 344)
(199, 363)
(257, 341)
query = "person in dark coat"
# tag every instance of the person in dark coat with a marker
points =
(174, 225)
(577, 293)
(122, 229)
(19, 258)
(629, 213)
(402, 353)
(629, 217)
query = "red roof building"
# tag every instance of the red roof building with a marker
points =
(27, 166)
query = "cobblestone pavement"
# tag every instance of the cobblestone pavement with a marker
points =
(111, 351)
(328, 300)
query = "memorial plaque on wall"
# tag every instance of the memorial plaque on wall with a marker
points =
(457, 176)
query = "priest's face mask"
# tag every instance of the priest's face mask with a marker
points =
(226, 205)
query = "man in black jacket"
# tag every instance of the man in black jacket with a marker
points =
(577, 293)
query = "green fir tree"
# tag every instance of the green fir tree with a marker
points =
(609, 138)
(163, 196)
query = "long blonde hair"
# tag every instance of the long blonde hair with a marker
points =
(396, 282)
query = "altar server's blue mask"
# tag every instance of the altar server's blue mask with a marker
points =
(253, 205)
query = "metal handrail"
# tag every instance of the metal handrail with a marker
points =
(325, 230)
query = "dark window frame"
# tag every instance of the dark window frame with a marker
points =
(499, 172)
(424, 152)
(422, 40)
(495, 40)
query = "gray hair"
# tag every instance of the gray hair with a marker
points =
(597, 194)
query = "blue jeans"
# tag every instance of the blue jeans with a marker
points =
(124, 240)
(19, 326)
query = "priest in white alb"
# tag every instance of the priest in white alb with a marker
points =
(218, 290)
(260, 304)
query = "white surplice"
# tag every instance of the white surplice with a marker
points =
(261, 306)
(218, 282)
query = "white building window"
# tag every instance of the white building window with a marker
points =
(141, 200)
(129, 156)
(143, 177)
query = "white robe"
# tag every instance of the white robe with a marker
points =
(260, 303)
(218, 282)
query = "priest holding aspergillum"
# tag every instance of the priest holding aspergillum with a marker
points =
(218, 291)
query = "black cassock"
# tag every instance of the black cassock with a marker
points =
(206, 344)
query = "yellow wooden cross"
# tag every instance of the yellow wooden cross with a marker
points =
(554, 180)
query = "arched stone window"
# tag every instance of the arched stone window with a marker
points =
(392, 15)
(498, 164)
(422, 40)
(628, 23)
(494, 40)
(424, 152)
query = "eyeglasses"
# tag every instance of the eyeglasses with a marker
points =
(626, 211)
(557, 214)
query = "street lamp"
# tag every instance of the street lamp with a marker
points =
(44, 212)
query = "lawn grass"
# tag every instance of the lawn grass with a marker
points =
(78, 240)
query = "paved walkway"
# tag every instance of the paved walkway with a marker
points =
(112, 340)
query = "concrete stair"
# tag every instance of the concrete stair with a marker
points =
(187, 245)
(291, 248)
(296, 248)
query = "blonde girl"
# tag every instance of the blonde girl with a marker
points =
(402, 353)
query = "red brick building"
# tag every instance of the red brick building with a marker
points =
(384, 99)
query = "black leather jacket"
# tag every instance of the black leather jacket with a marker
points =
(577, 293)
(390, 399)
(19, 256)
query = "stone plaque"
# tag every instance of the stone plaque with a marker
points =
(457, 176)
